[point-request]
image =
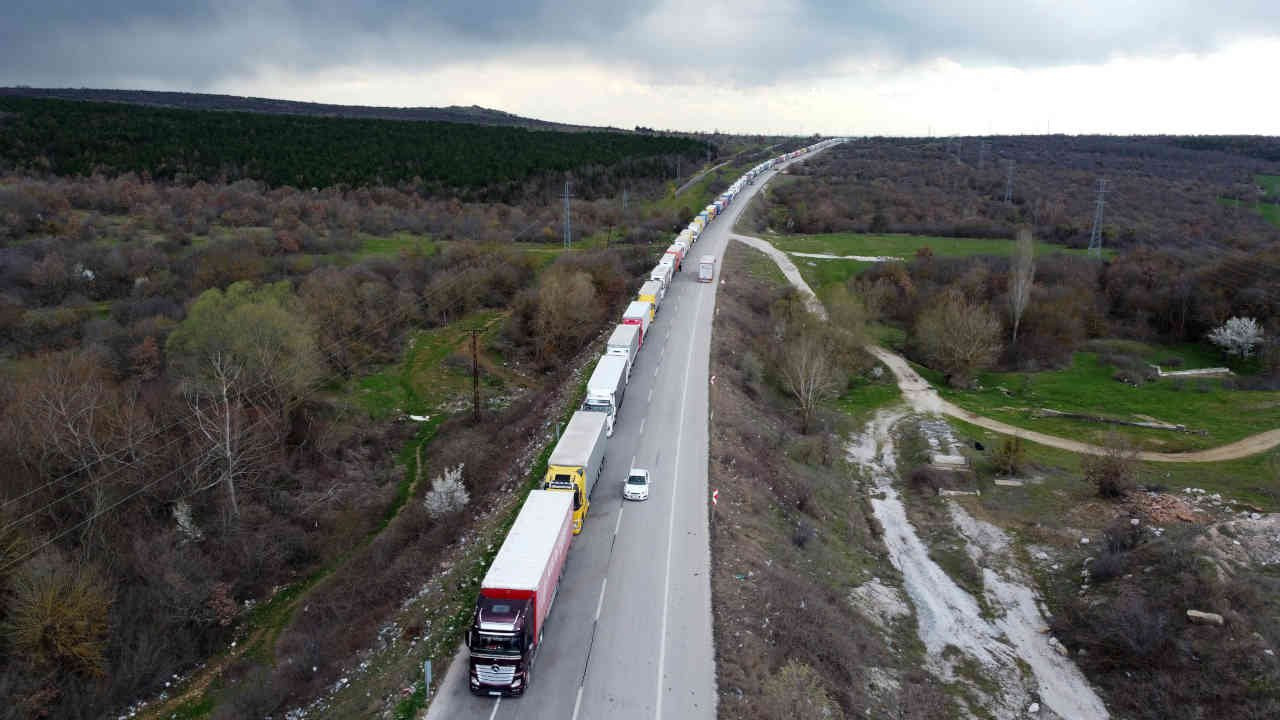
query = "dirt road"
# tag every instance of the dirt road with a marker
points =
(949, 621)
(924, 398)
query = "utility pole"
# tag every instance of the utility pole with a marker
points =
(475, 376)
(1008, 183)
(1095, 235)
(568, 218)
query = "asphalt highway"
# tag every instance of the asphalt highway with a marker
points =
(629, 635)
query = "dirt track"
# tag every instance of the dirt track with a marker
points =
(923, 397)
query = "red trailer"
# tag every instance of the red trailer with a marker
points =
(517, 593)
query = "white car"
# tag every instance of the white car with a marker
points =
(637, 485)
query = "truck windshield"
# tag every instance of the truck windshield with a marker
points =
(497, 644)
(598, 405)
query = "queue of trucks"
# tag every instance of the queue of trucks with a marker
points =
(520, 587)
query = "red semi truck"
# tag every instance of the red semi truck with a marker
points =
(517, 593)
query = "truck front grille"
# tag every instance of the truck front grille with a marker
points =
(496, 674)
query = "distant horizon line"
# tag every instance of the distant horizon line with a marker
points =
(7, 90)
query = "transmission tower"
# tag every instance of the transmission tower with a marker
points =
(1095, 235)
(568, 217)
(1008, 182)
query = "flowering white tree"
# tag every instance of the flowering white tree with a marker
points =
(447, 494)
(1237, 336)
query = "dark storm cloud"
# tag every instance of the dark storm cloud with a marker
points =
(195, 45)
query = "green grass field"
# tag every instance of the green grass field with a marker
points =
(1254, 480)
(422, 381)
(394, 244)
(820, 273)
(1202, 404)
(1271, 184)
(1269, 209)
(864, 395)
(698, 195)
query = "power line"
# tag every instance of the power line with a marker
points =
(364, 333)
(203, 457)
(1095, 235)
(568, 217)
(1008, 184)
(260, 389)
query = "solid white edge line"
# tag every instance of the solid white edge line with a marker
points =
(604, 583)
(618, 524)
(496, 703)
(671, 516)
(650, 395)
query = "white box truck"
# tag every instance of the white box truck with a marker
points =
(639, 313)
(606, 388)
(707, 268)
(662, 273)
(624, 342)
(577, 461)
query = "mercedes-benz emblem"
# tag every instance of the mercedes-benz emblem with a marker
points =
(495, 667)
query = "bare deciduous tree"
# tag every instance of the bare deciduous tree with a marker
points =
(959, 337)
(234, 443)
(69, 421)
(809, 373)
(567, 312)
(1022, 273)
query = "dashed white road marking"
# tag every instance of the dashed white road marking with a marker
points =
(603, 584)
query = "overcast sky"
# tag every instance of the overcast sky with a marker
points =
(903, 67)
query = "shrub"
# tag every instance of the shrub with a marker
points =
(1109, 565)
(58, 617)
(803, 533)
(1113, 472)
(252, 695)
(926, 480)
(1010, 456)
(796, 693)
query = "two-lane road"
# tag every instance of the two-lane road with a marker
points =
(630, 636)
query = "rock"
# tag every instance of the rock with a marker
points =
(1058, 647)
(1084, 541)
(1133, 521)
(1033, 708)
(1204, 618)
